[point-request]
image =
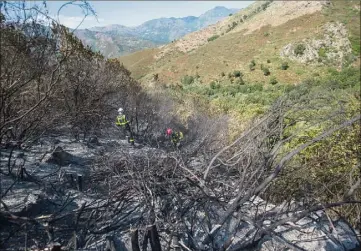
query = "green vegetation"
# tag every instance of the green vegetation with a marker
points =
(284, 66)
(214, 37)
(273, 81)
(266, 71)
(300, 49)
(213, 85)
(252, 65)
(325, 164)
(187, 80)
(330, 162)
(232, 26)
(322, 52)
(355, 43)
(239, 81)
(237, 74)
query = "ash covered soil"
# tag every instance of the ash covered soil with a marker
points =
(88, 195)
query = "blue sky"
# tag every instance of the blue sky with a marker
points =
(132, 13)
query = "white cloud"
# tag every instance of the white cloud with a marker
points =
(75, 21)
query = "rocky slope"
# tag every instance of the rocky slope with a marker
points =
(117, 40)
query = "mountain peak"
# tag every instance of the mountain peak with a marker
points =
(218, 11)
(120, 40)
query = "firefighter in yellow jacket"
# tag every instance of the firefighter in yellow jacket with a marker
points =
(123, 122)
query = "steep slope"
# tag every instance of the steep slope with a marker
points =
(116, 40)
(262, 32)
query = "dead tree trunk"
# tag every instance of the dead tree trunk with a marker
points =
(80, 183)
(154, 238)
(110, 246)
(21, 173)
(175, 243)
(134, 240)
(145, 240)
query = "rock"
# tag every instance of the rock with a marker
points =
(111, 145)
(20, 155)
(34, 204)
(62, 158)
(56, 141)
(334, 47)
(93, 140)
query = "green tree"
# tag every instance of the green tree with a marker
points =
(187, 80)
(300, 49)
(252, 65)
(284, 66)
(237, 74)
(214, 37)
(273, 81)
(266, 71)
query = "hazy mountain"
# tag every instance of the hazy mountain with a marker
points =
(117, 40)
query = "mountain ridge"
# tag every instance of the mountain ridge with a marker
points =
(117, 40)
(260, 32)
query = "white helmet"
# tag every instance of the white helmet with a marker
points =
(120, 110)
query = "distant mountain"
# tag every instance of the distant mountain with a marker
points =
(118, 40)
(113, 43)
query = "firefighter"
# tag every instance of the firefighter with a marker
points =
(175, 137)
(124, 123)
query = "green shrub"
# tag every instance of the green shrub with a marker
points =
(230, 15)
(252, 65)
(322, 52)
(266, 34)
(266, 71)
(355, 44)
(230, 75)
(231, 27)
(214, 37)
(300, 49)
(237, 74)
(284, 66)
(268, 61)
(239, 81)
(187, 80)
(273, 81)
(223, 74)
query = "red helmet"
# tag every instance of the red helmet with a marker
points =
(169, 131)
